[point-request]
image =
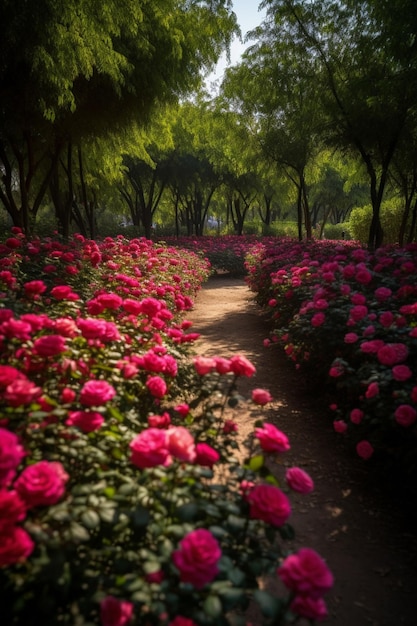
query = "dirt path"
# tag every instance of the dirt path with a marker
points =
(364, 537)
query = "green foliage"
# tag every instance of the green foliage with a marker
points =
(391, 218)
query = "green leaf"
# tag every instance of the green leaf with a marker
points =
(78, 533)
(212, 606)
(187, 512)
(90, 519)
(269, 605)
(256, 462)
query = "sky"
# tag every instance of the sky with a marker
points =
(248, 18)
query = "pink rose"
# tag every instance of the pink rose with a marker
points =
(150, 306)
(206, 455)
(157, 386)
(21, 391)
(92, 328)
(356, 416)
(62, 292)
(299, 480)
(306, 573)
(401, 372)
(182, 409)
(182, 621)
(261, 396)
(12, 509)
(230, 427)
(222, 365)
(15, 546)
(405, 415)
(204, 365)
(180, 444)
(269, 504)
(351, 338)
(392, 353)
(96, 392)
(364, 449)
(318, 319)
(11, 454)
(86, 421)
(197, 558)
(372, 391)
(34, 287)
(271, 439)
(159, 421)
(42, 483)
(8, 374)
(241, 366)
(310, 608)
(49, 345)
(115, 612)
(340, 426)
(110, 300)
(149, 448)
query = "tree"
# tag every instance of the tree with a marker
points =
(284, 117)
(70, 70)
(366, 56)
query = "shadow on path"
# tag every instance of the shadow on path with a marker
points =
(351, 523)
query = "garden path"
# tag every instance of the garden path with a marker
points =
(350, 519)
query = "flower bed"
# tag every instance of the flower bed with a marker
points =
(348, 320)
(112, 508)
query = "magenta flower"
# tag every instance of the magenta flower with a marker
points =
(157, 386)
(115, 612)
(16, 546)
(261, 396)
(42, 483)
(305, 573)
(241, 366)
(405, 415)
(21, 391)
(180, 443)
(401, 372)
(86, 421)
(364, 449)
(150, 448)
(340, 426)
(197, 558)
(49, 345)
(311, 608)
(269, 504)
(299, 480)
(206, 456)
(272, 439)
(96, 392)
(11, 454)
(204, 365)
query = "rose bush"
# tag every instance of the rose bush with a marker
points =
(347, 319)
(122, 501)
